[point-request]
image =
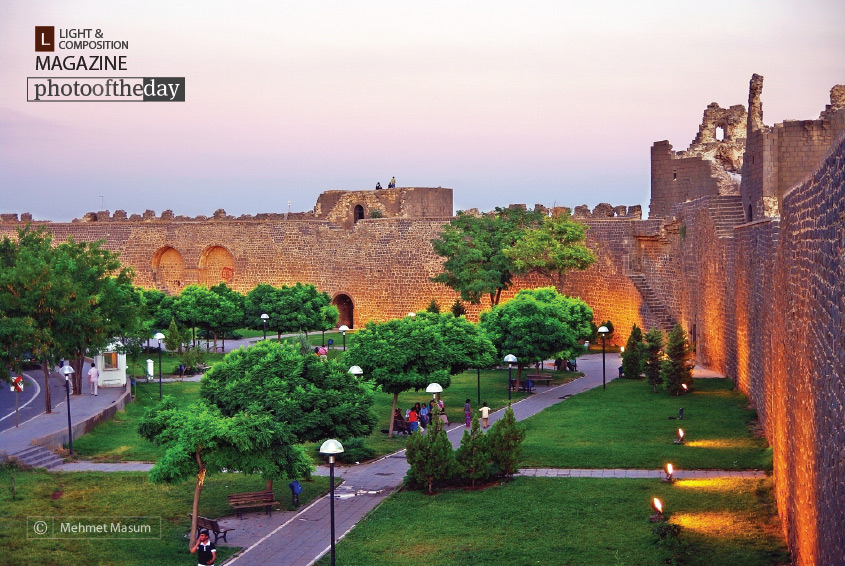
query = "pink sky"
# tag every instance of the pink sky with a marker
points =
(536, 103)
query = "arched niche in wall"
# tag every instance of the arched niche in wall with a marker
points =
(346, 310)
(216, 266)
(168, 270)
(357, 214)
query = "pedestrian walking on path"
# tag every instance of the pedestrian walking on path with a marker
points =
(94, 378)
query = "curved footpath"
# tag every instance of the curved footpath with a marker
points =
(301, 538)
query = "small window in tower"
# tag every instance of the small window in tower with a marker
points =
(720, 133)
(674, 175)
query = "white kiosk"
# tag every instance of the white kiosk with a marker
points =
(112, 366)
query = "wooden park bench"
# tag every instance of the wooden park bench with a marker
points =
(546, 377)
(211, 525)
(241, 501)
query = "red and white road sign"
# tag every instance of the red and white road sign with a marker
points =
(17, 384)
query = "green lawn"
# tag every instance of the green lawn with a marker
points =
(627, 426)
(169, 364)
(570, 521)
(118, 440)
(95, 495)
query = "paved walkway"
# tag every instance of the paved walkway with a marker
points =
(301, 538)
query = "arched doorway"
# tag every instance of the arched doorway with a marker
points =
(168, 270)
(346, 308)
(216, 266)
(358, 215)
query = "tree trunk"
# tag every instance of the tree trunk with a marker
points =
(48, 408)
(392, 412)
(196, 506)
(518, 374)
(77, 364)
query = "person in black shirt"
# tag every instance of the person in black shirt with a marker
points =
(206, 553)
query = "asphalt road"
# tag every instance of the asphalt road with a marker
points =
(31, 399)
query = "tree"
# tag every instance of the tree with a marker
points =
(430, 455)
(473, 456)
(200, 440)
(505, 443)
(316, 399)
(231, 311)
(458, 308)
(433, 307)
(552, 249)
(411, 352)
(653, 357)
(538, 324)
(160, 309)
(61, 302)
(290, 308)
(676, 370)
(213, 311)
(173, 340)
(474, 247)
(633, 358)
(328, 319)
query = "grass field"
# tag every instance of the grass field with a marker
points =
(93, 495)
(118, 440)
(570, 521)
(627, 426)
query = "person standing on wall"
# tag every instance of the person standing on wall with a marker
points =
(392, 183)
(93, 378)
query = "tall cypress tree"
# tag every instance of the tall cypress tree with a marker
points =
(633, 359)
(653, 357)
(677, 369)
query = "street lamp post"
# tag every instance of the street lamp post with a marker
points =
(159, 336)
(264, 318)
(68, 371)
(603, 332)
(343, 328)
(330, 448)
(478, 375)
(511, 359)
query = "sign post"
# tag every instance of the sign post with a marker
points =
(17, 387)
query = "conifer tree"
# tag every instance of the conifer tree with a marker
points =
(633, 359)
(653, 356)
(473, 455)
(505, 440)
(458, 309)
(433, 307)
(430, 455)
(677, 369)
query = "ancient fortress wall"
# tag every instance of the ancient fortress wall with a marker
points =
(759, 280)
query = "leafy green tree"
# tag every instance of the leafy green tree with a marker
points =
(473, 456)
(505, 443)
(328, 319)
(173, 339)
(458, 308)
(231, 311)
(676, 370)
(61, 302)
(290, 308)
(552, 249)
(653, 357)
(212, 310)
(538, 324)
(594, 331)
(160, 309)
(200, 440)
(474, 248)
(433, 307)
(314, 398)
(430, 455)
(633, 358)
(411, 352)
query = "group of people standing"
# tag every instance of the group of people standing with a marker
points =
(419, 416)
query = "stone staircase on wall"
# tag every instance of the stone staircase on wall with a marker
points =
(36, 457)
(662, 314)
(726, 212)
